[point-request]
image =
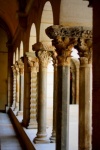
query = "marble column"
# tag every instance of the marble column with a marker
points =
(53, 136)
(14, 87)
(33, 68)
(44, 57)
(21, 89)
(85, 93)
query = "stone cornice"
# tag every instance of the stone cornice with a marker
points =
(71, 32)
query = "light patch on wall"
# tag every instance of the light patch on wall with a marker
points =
(74, 53)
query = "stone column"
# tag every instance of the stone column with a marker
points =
(64, 41)
(17, 88)
(85, 93)
(53, 136)
(14, 87)
(30, 101)
(44, 57)
(33, 68)
(21, 89)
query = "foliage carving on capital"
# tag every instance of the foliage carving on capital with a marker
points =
(63, 48)
(44, 57)
(84, 47)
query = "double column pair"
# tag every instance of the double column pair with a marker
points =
(18, 86)
(64, 39)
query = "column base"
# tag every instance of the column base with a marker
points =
(19, 113)
(41, 140)
(32, 125)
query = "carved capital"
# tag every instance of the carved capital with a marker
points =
(33, 63)
(65, 38)
(63, 48)
(13, 69)
(65, 31)
(21, 66)
(43, 52)
(84, 47)
(16, 67)
(44, 58)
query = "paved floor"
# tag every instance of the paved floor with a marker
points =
(8, 137)
(73, 132)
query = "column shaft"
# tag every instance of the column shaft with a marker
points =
(62, 131)
(53, 136)
(42, 105)
(85, 106)
(33, 98)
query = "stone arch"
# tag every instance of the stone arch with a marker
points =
(32, 38)
(74, 80)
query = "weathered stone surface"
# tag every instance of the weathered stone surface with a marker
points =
(64, 31)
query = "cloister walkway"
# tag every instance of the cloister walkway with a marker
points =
(9, 140)
(29, 134)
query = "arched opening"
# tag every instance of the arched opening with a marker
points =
(32, 39)
(21, 49)
(16, 55)
(45, 22)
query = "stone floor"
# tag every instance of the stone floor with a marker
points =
(73, 132)
(8, 137)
